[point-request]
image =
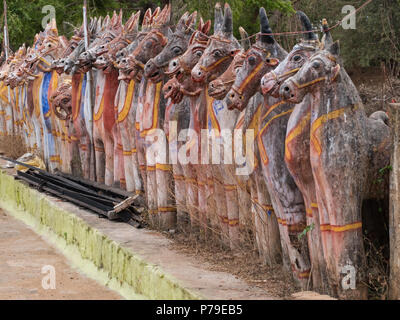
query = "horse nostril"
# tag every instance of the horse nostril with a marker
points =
(286, 88)
(232, 96)
(169, 87)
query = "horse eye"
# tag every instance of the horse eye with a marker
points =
(252, 60)
(199, 53)
(217, 53)
(316, 65)
(296, 58)
(177, 50)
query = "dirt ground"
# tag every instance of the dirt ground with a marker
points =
(244, 264)
(23, 254)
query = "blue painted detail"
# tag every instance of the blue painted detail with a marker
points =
(218, 106)
(82, 109)
(269, 213)
(45, 92)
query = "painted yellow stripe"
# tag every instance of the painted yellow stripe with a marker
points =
(263, 152)
(163, 167)
(295, 133)
(78, 100)
(250, 77)
(167, 209)
(155, 109)
(228, 187)
(128, 102)
(347, 227)
(320, 121)
(97, 116)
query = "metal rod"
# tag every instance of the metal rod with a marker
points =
(6, 41)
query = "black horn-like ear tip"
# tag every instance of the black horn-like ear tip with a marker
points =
(307, 26)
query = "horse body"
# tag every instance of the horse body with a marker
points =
(346, 151)
(297, 146)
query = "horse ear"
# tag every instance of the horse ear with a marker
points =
(106, 22)
(191, 21)
(201, 24)
(146, 18)
(327, 37)
(334, 49)
(135, 22)
(218, 18)
(53, 27)
(245, 41)
(207, 27)
(168, 14)
(170, 33)
(183, 19)
(120, 17)
(154, 15)
(305, 21)
(114, 19)
(265, 28)
(227, 26)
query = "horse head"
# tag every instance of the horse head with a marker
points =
(301, 52)
(262, 57)
(221, 49)
(178, 42)
(322, 69)
(180, 68)
(219, 87)
(152, 44)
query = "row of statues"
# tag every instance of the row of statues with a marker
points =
(214, 133)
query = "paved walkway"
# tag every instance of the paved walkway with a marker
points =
(23, 254)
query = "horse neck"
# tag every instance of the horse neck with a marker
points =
(198, 111)
(334, 96)
(252, 108)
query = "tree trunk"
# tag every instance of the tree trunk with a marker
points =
(394, 211)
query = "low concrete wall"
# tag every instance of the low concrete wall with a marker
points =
(93, 251)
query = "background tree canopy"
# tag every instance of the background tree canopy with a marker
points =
(375, 39)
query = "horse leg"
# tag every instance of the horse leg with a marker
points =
(232, 205)
(109, 155)
(180, 196)
(202, 200)
(297, 158)
(267, 225)
(165, 197)
(220, 208)
(192, 202)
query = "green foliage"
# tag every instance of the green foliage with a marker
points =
(245, 12)
(25, 16)
(306, 229)
(375, 39)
